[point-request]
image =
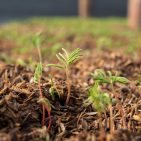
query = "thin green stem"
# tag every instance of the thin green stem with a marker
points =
(39, 53)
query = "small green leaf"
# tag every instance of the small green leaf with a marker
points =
(38, 73)
(67, 59)
(51, 91)
(97, 98)
(36, 40)
(117, 79)
(55, 65)
(45, 101)
(74, 56)
(62, 60)
(100, 76)
(66, 53)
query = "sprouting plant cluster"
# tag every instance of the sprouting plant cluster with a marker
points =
(66, 60)
(101, 76)
(37, 79)
(99, 99)
(96, 97)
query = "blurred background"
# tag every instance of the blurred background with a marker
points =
(28, 8)
(17, 9)
(102, 24)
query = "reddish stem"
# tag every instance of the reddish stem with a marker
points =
(49, 116)
(43, 107)
(43, 115)
(39, 85)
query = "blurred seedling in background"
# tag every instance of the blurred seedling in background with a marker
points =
(6, 58)
(66, 60)
(37, 79)
(37, 40)
(99, 101)
(102, 77)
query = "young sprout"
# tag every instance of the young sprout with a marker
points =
(47, 106)
(52, 88)
(53, 91)
(37, 79)
(100, 76)
(38, 73)
(99, 99)
(66, 60)
(37, 40)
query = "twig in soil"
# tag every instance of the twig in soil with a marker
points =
(79, 117)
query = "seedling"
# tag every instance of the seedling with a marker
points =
(99, 101)
(53, 90)
(37, 40)
(100, 76)
(37, 79)
(66, 60)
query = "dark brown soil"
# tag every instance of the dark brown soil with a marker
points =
(21, 114)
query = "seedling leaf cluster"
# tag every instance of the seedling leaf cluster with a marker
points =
(66, 60)
(99, 99)
(100, 76)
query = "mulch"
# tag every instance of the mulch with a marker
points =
(21, 114)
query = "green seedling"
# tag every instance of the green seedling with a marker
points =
(37, 40)
(38, 73)
(37, 79)
(47, 106)
(99, 99)
(52, 88)
(101, 77)
(44, 101)
(66, 60)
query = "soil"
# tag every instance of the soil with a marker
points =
(21, 114)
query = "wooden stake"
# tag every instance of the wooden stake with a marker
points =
(134, 14)
(84, 8)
